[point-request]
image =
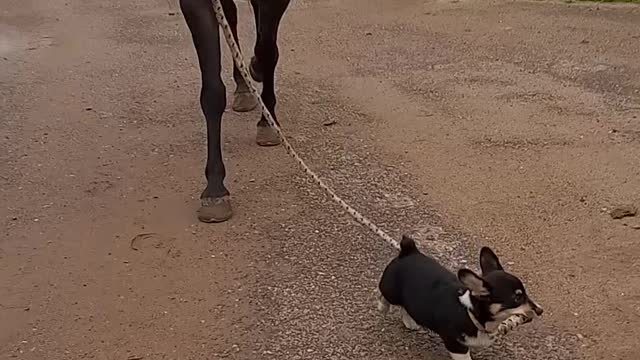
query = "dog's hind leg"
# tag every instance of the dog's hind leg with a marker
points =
(408, 321)
(383, 304)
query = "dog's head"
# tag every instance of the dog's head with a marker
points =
(498, 293)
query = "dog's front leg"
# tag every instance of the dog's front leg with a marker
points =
(465, 356)
(457, 350)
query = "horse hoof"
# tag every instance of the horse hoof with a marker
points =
(267, 136)
(244, 101)
(215, 210)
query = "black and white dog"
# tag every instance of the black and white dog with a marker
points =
(462, 309)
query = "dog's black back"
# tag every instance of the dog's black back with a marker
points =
(427, 291)
(459, 308)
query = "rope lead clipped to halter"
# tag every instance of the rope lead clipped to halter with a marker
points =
(506, 326)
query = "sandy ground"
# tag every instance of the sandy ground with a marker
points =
(512, 124)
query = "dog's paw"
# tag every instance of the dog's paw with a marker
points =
(408, 322)
(383, 305)
(411, 325)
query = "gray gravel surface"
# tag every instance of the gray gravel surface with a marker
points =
(102, 140)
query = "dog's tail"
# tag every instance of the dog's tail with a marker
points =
(407, 246)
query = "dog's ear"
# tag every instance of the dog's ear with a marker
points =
(489, 261)
(473, 282)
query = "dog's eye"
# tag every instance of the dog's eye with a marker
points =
(518, 296)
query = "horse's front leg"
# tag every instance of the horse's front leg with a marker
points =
(215, 204)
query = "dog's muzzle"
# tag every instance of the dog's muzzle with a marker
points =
(537, 309)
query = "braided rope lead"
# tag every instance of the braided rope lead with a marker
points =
(236, 53)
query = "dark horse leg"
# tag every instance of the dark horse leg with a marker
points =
(243, 100)
(204, 30)
(263, 64)
(203, 26)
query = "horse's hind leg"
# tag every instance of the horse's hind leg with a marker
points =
(265, 60)
(243, 100)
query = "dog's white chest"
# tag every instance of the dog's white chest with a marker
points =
(481, 340)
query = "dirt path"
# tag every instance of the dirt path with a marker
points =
(505, 123)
